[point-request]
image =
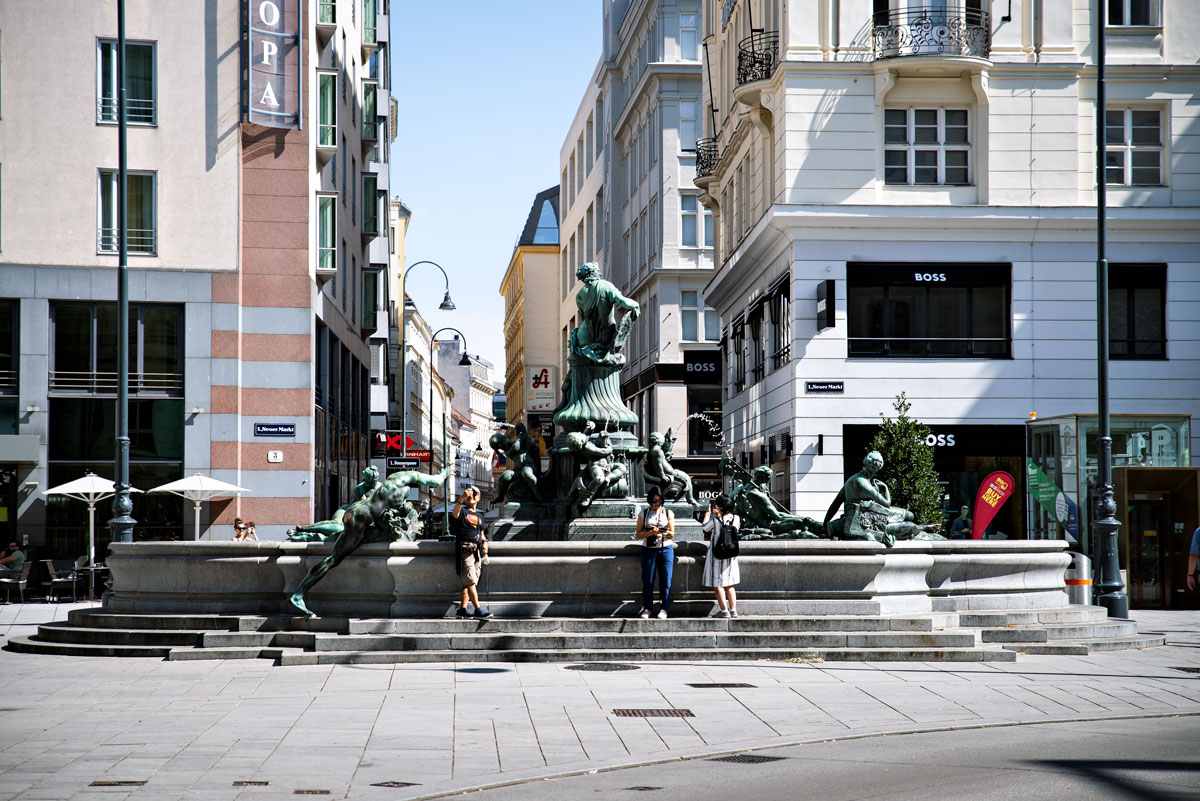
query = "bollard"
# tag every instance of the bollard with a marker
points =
(1079, 579)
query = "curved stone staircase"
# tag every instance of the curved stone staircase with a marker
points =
(931, 637)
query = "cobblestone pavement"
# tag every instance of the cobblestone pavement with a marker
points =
(219, 730)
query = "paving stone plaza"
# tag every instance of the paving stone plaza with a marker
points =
(144, 728)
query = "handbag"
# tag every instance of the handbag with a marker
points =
(727, 544)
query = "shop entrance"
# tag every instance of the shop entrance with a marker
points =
(1158, 508)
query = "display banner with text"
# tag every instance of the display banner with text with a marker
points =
(1057, 503)
(993, 492)
(275, 63)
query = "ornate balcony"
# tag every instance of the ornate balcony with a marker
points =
(707, 156)
(931, 32)
(758, 56)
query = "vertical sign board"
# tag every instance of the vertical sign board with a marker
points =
(540, 388)
(825, 305)
(275, 64)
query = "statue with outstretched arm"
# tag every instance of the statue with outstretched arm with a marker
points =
(362, 519)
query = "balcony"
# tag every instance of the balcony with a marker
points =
(943, 33)
(138, 241)
(707, 156)
(104, 383)
(326, 21)
(758, 57)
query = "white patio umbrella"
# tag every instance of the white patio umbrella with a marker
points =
(198, 488)
(90, 489)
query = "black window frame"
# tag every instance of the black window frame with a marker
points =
(103, 382)
(1124, 277)
(893, 278)
(738, 362)
(779, 314)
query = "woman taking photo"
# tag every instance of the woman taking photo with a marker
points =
(721, 574)
(656, 530)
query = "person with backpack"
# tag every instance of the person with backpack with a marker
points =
(656, 530)
(720, 564)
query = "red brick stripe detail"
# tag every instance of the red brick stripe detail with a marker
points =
(296, 456)
(224, 288)
(258, 402)
(224, 344)
(224, 400)
(277, 291)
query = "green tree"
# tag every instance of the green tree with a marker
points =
(908, 463)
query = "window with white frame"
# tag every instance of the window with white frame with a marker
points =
(1134, 13)
(326, 110)
(926, 147)
(141, 236)
(140, 107)
(326, 232)
(688, 111)
(1133, 146)
(693, 315)
(689, 39)
(695, 221)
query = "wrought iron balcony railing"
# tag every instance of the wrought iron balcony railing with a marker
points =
(758, 56)
(707, 156)
(931, 32)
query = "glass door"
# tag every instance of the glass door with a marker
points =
(1146, 535)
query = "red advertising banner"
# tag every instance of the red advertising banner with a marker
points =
(993, 492)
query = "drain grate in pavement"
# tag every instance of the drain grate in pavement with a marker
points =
(640, 789)
(116, 784)
(395, 784)
(722, 685)
(747, 759)
(312, 792)
(251, 783)
(653, 713)
(603, 666)
(1187, 669)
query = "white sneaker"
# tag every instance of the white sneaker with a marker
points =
(645, 614)
(733, 613)
(662, 614)
(722, 613)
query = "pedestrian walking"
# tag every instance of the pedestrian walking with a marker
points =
(1193, 559)
(471, 548)
(656, 530)
(720, 527)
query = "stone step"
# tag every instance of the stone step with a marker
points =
(29, 645)
(63, 633)
(640, 641)
(663, 655)
(638, 625)
(1112, 627)
(1086, 646)
(191, 654)
(1013, 634)
(1076, 613)
(89, 618)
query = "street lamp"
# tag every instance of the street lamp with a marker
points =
(446, 305)
(1104, 522)
(465, 361)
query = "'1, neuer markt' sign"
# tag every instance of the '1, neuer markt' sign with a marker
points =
(275, 64)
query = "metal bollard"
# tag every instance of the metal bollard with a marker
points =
(1079, 579)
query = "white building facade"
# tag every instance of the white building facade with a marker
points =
(904, 196)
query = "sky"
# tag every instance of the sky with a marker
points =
(486, 91)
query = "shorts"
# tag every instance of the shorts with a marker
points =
(472, 567)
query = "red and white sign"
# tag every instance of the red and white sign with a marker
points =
(541, 384)
(993, 492)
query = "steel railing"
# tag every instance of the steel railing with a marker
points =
(707, 156)
(138, 240)
(103, 383)
(136, 111)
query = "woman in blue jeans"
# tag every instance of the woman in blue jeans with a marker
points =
(656, 530)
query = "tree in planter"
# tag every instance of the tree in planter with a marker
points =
(908, 463)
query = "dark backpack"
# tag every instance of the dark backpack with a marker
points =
(726, 545)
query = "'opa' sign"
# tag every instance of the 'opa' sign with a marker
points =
(274, 61)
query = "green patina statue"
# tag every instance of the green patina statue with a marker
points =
(754, 504)
(324, 530)
(520, 481)
(657, 470)
(601, 472)
(367, 520)
(869, 513)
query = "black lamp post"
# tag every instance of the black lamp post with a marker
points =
(122, 522)
(1104, 522)
(445, 305)
(465, 361)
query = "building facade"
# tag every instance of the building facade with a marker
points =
(904, 201)
(469, 377)
(252, 263)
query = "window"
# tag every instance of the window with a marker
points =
(370, 204)
(345, 67)
(738, 344)
(1137, 310)
(689, 49)
(691, 212)
(326, 233)
(779, 308)
(704, 433)
(326, 12)
(370, 114)
(691, 312)
(926, 147)
(326, 110)
(922, 310)
(139, 82)
(1133, 146)
(141, 236)
(758, 351)
(10, 330)
(369, 22)
(687, 125)
(353, 197)
(1133, 12)
(84, 357)
(342, 275)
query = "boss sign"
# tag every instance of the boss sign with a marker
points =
(274, 61)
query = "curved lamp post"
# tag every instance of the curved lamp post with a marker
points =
(446, 305)
(465, 361)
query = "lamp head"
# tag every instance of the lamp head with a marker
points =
(447, 304)
(465, 361)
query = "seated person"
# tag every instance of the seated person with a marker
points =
(12, 562)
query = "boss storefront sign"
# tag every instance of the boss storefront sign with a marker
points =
(702, 367)
(274, 63)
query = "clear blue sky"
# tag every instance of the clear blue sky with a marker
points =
(486, 91)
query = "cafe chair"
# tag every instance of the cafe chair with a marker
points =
(60, 579)
(19, 583)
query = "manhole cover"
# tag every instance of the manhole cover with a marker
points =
(251, 784)
(747, 759)
(653, 713)
(1187, 669)
(395, 784)
(721, 685)
(604, 667)
(116, 784)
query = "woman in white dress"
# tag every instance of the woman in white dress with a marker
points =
(721, 574)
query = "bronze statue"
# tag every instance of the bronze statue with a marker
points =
(366, 520)
(601, 472)
(869, 512)
(754, 504)
(324, 530)
(599, 337)
(524, 457)
(658, 471)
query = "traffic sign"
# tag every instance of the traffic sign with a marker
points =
(395, 463)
